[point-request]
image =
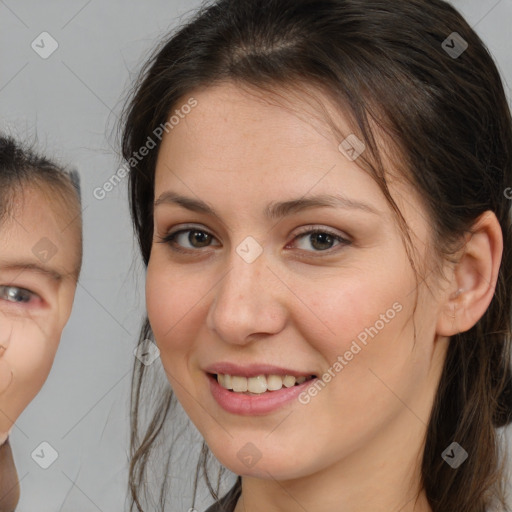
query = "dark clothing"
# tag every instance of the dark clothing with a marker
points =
(229, 501)
(9, 485)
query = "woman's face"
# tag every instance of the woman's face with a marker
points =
(274, 254)
(39, 255)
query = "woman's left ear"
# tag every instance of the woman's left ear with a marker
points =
(474, 277)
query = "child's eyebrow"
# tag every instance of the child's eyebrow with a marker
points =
(32, 267)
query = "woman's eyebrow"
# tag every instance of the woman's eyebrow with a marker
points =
(274, 210)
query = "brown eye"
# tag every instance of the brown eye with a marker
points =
(199, 238)
(189, 239)
(319, 240)
(322, 241)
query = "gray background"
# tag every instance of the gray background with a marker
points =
(70, 103)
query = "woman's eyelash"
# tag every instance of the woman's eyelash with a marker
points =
(16, 294)
(342, 241)
(170, 238)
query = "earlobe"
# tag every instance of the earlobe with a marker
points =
(474, 277)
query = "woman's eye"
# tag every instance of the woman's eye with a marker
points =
(189, 239)
(320, 240)
(317, 240)
(15, 294)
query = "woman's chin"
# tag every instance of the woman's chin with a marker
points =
(249, 461)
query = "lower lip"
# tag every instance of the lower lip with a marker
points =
(252, 405)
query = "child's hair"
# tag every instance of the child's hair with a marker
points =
(446, 124)
(21, 167)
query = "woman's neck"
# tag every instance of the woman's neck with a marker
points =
(273, 496)
(382, 475)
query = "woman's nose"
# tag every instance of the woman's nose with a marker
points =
(250, 300)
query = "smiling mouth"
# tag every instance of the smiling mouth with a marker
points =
(259, 384)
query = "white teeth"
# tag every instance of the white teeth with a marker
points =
(238, 383)
(274, 382)
(259, 384)
(289, 381)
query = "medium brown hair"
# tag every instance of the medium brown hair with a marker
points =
(385, 64)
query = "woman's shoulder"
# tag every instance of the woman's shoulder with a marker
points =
(228, 502)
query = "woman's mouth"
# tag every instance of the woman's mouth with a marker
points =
(258, 395)
(259, 384)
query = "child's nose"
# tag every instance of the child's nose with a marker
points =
(5, 335)
(6, 375)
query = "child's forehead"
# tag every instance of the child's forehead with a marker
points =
(49, 201)
(42, 228)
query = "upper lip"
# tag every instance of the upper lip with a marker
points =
(253, 370)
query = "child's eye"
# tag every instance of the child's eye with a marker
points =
(15, 294)
(185, 240)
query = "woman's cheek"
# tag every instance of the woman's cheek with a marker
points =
(157, 305)
(169, 302)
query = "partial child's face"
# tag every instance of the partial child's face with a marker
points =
(39, 254)
(247, 293)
